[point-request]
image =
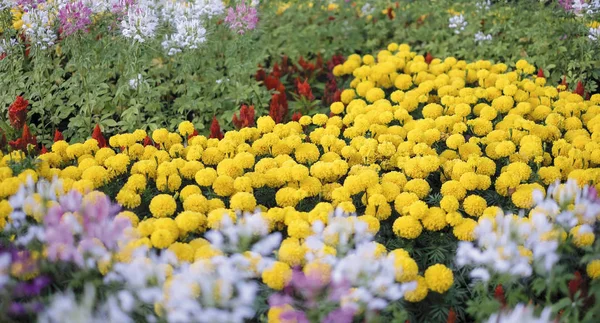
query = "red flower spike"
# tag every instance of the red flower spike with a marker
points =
(305, 91)
(296, 116)
(26, 139)
(499, 295)
(451, 316)
(540, 73)
(97, 134)
(58, 136)
(575, 284)
(276, 71)
(428, 58)
(17, 112)
(272, 82)
(147, 141)
(260, 74)
(44, 150)
(277, 110)
(390, 13)
(579, 89)
(3, 140)
(215, 129)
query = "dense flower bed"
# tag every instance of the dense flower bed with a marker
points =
(391, 206)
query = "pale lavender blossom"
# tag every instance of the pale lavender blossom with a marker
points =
(77, 229)
(74, 16)
(241, 19)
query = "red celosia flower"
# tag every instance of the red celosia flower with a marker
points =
(246, 118)
(272, 82)
(276, 71)
(305, 91)
(451, 316)
(3, 141)
(296, 116)
(17, 112)
(97, 134)
(499, 295)
(58, 136)
(44, 150)
(147, 141)
(579, 89)
(575, 284)
(390, 13)
(278, 107)
(2, 56)
(540, 73)
(215, 129)
(428, 58)
(26, 139)
(260, 74)
(306, 66)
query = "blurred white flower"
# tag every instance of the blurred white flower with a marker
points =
(458, 23)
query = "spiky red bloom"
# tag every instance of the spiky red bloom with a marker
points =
(296, 116)
(428, 58)
(215, 129)
(451, 316)
(579, 89)
(304, 90)
(44, 150)
(499, 295)
(246, 118)
(58, 136)
(540, 73)
(26, 139)
(278, 107)
(97, 134)
(575, 284)
(306, 66)
(260, 74)
(17, 112)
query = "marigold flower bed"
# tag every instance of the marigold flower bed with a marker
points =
(423, 150)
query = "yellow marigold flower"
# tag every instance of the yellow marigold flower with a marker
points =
(186, 128)
(406, 268)
(215, 217)
(439, 278)
(243, 201)
(190, 221)
(162, 205)
(435, 219)
(128, 198)
(307, 153)
(162, 238)
(593, 269)
(418, 209)
(582, 238)
(419, 293)
(418, 186)
(223, 186)
(464, 231)
(278, 276)
(474, 205)
(291, 252)
(183, 251)
(407, 227)
(453, 188)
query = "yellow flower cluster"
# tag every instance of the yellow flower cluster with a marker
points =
(405, 129)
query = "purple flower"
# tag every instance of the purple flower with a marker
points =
(74, 16)
(33, 288)
(29, 3)
(279, 299)
(292, 315)
(242, 18)
(341, 315)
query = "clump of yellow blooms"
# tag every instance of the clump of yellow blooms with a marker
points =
(405, 131)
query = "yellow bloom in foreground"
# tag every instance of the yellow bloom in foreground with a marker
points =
(593, 269)
(407, 227)
(162, 205)
(278, 276)
(419, 293)
(439, 278)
